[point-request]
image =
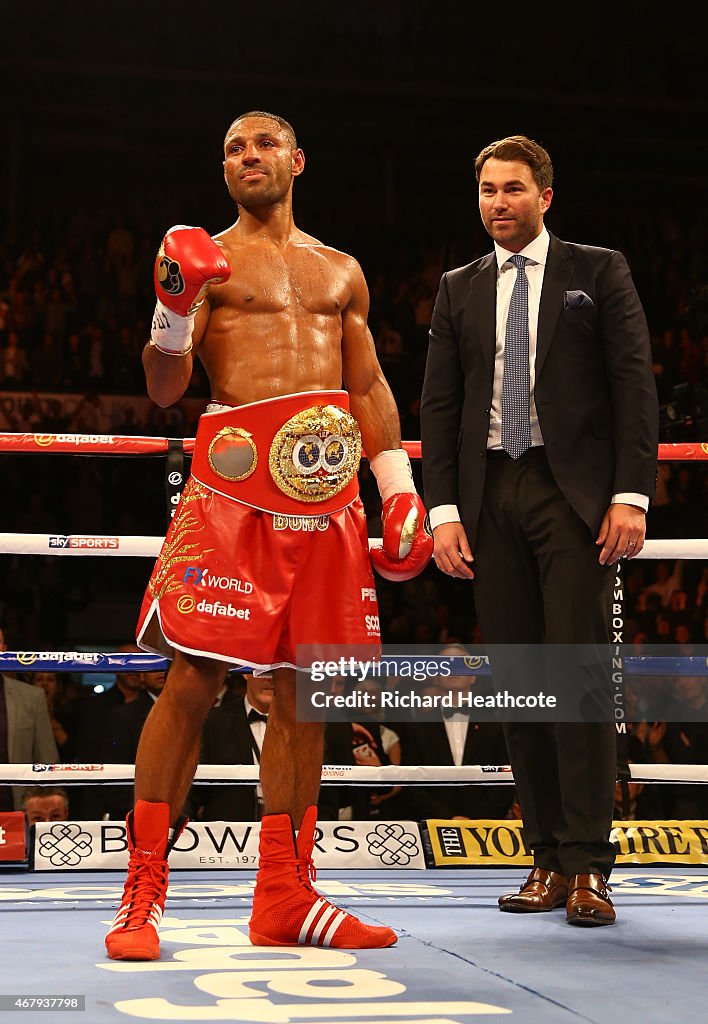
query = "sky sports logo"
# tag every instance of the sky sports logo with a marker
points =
(94, 543)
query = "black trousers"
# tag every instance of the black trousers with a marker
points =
(538, 581)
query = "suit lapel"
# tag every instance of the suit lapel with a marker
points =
(557, 277)
(483, 299)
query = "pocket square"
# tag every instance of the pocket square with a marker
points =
(576, 299)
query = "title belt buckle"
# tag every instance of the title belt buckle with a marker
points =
(316, 453)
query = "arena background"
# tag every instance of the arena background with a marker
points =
(113, 118)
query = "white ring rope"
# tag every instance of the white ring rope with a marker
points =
(149, 547)
(361, 775)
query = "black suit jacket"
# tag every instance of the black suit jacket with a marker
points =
(116, 734)
(427, 743)
(226, 739)
(595, 393)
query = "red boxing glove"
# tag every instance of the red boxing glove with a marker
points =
(407, 548)
(187, 262)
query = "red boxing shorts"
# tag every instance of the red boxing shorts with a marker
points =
(247, 585)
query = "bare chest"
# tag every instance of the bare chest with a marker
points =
(296, 281)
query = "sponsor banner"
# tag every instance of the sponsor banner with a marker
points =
(487, 842)
(26, 658)
(80, 661)
(186, 605)
(13, 838)
(60, 544)
(479, 841)
(203, 577)
(86, 543)
(99, 845)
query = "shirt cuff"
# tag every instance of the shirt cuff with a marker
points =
(443, 514)
(630, 498)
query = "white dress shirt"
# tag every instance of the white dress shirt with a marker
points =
(258, 732)
(456, 727)
(536, 253)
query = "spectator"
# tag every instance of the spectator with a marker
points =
(644, 802)
(367, 744)
(389, 344)
(126, 369)
(128, 423)
(686, 742)
(47, 364)
(122, 731)
(457, 740)
(96, 357)
(75, 376)
(13, 362)
(25, 730)
(61, 714)
(88, 414)
(667, 580)
(233, 734)
(45, 803)
(96, 729)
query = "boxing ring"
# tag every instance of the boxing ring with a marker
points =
(457, 958)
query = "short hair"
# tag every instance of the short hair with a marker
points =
(519, 147)
(285, 125)
(41, 791)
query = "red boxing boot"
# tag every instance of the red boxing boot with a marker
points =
(133, 932)
(287, 911)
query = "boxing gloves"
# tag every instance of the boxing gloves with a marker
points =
(187, 262)
(406, 548)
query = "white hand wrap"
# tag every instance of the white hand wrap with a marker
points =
(392, 470)
(171, 333)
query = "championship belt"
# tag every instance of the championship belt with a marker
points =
(292, 455)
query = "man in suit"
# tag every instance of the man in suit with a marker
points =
(26, 735)
(539, 422)
(121, 723)
(455, 739)
(233, 734)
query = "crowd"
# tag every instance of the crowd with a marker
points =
(74, 306)
(74, 725)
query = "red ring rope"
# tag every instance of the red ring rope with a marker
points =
(115, 444)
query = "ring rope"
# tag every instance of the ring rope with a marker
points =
(149, 547)
(114, 444)
(470, 665)
(390, 774)
(117, 444)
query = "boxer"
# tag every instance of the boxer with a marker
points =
(268, 549)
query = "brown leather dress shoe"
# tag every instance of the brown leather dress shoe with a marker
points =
(542, 891)
(588, 903)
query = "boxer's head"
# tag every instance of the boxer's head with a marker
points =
(261, 159)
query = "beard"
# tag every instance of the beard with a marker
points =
(520, 231)
(263, 193)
